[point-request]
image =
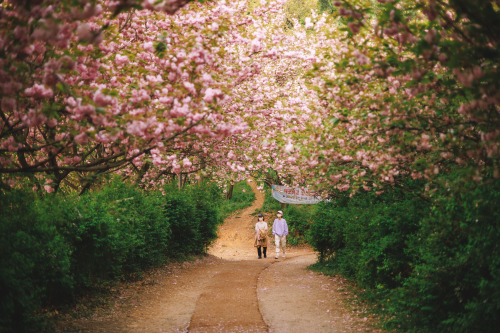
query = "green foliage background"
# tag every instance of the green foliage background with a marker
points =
(55, 248)
(298, 217)
(242, 197)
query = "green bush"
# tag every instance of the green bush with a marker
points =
(194, 217)
(299, 220)
(34, 263)
(270, 204)
(368, 236)
(429, 266)
(116, 231)
(327, 234)
(455, 284)
(56, 247)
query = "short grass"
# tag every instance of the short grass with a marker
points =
(243, 197)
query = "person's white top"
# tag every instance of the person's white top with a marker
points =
(260, 225)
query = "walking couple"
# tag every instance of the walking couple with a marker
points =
(280, 230)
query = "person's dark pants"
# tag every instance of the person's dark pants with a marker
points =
(260, 253)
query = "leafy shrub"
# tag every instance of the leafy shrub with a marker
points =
(299, 220)
(34, 263)
(188, 225)
(270, 204)
(455, 283)
(55, 247)
(116, 231)
(369, 236)
(327, 233)
(430, 266)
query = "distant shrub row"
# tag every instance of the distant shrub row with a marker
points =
(242, 197)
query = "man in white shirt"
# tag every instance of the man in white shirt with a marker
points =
(280, 230)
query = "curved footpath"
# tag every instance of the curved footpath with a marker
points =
(231, 291)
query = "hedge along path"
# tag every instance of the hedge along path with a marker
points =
(232, 291)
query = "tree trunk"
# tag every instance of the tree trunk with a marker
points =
(179, 181)
(229, 193)
(141, 173)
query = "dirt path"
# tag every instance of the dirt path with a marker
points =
(293, 299)
(231, 291)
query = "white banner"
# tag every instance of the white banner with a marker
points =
(294, 195)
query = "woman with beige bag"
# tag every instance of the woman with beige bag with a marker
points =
(261, 236)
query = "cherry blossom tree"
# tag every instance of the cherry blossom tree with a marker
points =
(410, 90)
(104, 87)
(362, 98)
(276, 102)
(57, 116)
